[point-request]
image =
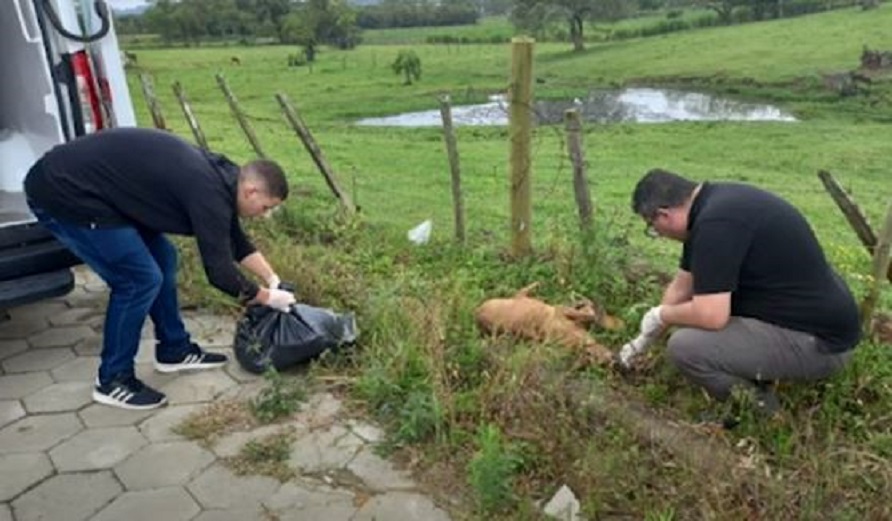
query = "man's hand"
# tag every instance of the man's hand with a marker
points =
(280, 299)
(651, 327)
(652, 324)
(632, 349)
(273, 281)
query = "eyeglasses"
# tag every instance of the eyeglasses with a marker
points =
(650, 231)
(649, 228)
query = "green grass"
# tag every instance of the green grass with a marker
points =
(485, 30)
(421, 367)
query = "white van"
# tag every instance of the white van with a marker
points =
(61, 77)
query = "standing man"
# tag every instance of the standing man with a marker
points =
(111, 196)
(754, 300)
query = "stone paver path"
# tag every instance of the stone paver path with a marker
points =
(64, 458)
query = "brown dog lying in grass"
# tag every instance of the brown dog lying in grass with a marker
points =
(526, 317)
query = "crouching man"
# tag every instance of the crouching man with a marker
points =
(111, 197)
(754, 300)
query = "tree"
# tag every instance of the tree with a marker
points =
(318, 22)
(536, 15)
(408, 64)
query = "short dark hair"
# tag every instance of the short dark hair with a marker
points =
(660, 189)
(270, 174)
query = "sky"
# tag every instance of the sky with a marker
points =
(123, 4)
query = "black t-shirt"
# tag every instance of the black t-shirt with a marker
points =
(151, 180)
(757, 246)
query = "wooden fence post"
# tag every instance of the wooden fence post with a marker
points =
(577, 157)
(520, 97)
(852, 213)
(880, 268)
(148, 92)
(303, 132)
(239, 115)
(454, 168)
(190, 116)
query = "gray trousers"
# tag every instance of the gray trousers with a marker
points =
(748, 351)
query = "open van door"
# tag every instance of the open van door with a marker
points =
(60, 77)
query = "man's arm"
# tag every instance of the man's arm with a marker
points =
(681, 289)
(257, 264)
(702, 311)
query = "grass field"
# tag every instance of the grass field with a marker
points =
(494, 428)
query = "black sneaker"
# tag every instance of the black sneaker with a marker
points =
(128, 393)
(195, 359)
(765, 400)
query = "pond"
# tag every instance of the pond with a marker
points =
(638, 105)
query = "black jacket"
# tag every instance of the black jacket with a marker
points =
(152, 180)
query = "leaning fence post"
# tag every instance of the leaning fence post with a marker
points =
(880, 269)
(852, 213)
(315, 152)
(454, 168)
(148, 92)
(190, 116)
(580, 181)
(239, 115)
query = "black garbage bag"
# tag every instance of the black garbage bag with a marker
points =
(266, 337)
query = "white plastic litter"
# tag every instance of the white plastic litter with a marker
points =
(564, 506)
(421, 233)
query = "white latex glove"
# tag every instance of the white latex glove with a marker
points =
(632, 349)
(651, 327)
(652, 323)
(280, 299)
(273, 281)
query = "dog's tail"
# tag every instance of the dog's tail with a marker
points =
(525, 291)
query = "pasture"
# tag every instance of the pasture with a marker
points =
(488, 422)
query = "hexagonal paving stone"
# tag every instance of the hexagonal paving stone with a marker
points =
(377, 473)
(40, 309)
(298, 494)
(66, 396)
(325, 449)
(97, 449)
(67, 497)
(194, 387)
(10, 411)
(21, 471)
(5, 513)
(159, 427)
(146, 352)
(400, 506)
(235, 514)
(37, 433)
(77, 316)
(22, 328)
(16, 386)
(37, 360)
(12, 347)
(91, 346)
(98, 415)
(162, 465)
(169, 504)
(218, 487)
(63, 336)
(81, 369)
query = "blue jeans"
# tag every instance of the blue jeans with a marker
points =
(140, 269)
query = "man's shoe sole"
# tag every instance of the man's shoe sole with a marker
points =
(174, 368)
(107, 400)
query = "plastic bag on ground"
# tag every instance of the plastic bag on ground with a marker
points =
(265, 337)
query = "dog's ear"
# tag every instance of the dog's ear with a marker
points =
(580, 316)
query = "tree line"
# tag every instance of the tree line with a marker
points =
(311, 23)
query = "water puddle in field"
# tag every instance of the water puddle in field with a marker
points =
(637, 105)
